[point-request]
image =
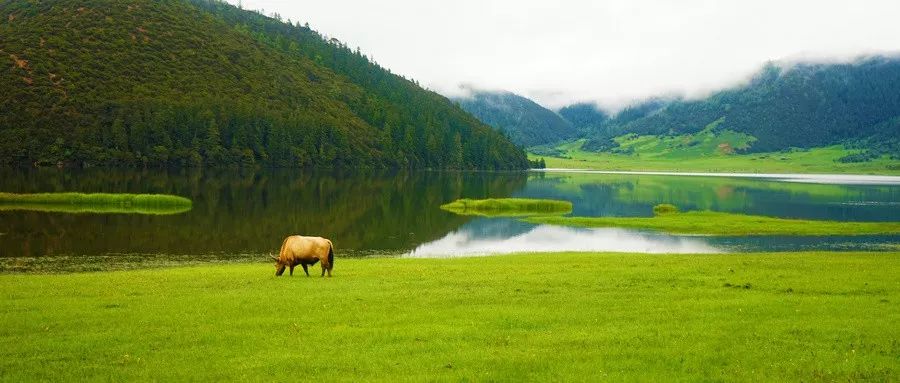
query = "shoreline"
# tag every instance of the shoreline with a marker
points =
(817, 178)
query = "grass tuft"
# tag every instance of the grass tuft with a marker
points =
(97, 203)
(718, 223)
(664, 208)
(508, 207)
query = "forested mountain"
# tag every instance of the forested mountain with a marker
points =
(803, 105)
(585, 117)
(526, 122)
(191, 82)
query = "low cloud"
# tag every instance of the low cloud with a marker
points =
(609, 52)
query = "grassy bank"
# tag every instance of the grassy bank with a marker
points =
(100, 203)
(507, 207)
(719, 223)
(746, 317)
(652, 158)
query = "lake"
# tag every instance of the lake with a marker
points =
(242, 215)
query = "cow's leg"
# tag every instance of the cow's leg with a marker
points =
(292, 270)
(323, 268)
(305, 269)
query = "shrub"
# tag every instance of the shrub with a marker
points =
(663, 209)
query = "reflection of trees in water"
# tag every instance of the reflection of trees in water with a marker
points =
(246, 211)
(633, 195)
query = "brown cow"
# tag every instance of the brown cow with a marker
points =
(305, 251)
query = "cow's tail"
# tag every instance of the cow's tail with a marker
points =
(330, 256)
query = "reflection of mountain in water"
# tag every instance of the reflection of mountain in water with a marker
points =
(548, 238)
(635, 195)
(498, 236)
(495, 227)
(246, 211)
(251, 211)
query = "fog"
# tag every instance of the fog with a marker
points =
(607, 52)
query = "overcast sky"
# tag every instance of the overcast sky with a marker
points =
(605, 51)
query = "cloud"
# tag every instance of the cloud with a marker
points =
(607, 52)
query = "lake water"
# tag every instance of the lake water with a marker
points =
(243, 215)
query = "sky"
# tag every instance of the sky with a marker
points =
(608, 52)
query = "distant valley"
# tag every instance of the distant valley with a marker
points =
(799, 117)
(523, 120)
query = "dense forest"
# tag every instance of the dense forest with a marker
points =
(585, 117)
(526, 122)
(201, 82)
(803, 105)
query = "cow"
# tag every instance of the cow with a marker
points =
(304, 251)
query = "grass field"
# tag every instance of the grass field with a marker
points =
(719, 223)
(100, 203)
(656, 154)
(707, 142)
(507, 207)
(563, 317)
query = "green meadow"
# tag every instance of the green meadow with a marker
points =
(97, 203)
(529, 317)
(719, 223)
(652, 153)
(507, 207)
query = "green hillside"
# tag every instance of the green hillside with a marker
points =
(805, 105)
(585, 117)
(199, 82)
(526, 122)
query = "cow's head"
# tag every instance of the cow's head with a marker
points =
(279, 267)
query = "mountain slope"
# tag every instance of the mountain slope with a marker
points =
(585, 117)
(526, 122)
(804, 106)
(179, 82)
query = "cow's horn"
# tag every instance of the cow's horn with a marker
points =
(273, 257)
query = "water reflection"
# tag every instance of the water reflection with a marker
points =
(503, 236)
(635, 195)
(238, 212)
(248, 212)
(549, 238)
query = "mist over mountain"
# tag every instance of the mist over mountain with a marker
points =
(526, 122)
(801, 105)
(784, 105)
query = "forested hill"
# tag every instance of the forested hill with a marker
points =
(192, 82)
(526, 122)
(803, 105)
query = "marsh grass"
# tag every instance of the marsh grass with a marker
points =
(718, 223)
(508, 207)
(540, 317)
(96, 203)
